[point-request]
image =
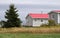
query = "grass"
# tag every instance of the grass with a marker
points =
(31, 30)
(28, 35)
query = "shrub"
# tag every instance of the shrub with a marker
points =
(44, 25)
(51, 23)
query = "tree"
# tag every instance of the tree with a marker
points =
(12, 17)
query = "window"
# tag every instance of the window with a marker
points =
(53, 16)
(35, 19)
(41, 20)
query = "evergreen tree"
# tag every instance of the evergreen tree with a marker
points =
(12, 17)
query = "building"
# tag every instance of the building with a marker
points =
(55, 15)
(35, 19)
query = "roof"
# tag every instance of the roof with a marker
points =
(56, 11)
(34, 15)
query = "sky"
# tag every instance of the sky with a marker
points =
(48, 2)
(29, 6)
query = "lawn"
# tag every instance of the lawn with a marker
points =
(28, 35)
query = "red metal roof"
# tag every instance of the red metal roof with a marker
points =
(34, 15)
(56, 11)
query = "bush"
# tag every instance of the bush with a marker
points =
(44, 25)
(51, 23)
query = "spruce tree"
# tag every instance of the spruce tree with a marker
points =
(12, 17)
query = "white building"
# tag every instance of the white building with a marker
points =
(34, 19)
(55, 15)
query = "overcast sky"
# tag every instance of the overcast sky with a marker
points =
(44, 2)
(29, 6)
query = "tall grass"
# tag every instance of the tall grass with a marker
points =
(31, 30)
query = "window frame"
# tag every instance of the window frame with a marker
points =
(41, 20)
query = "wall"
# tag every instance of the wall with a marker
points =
(59, 18)
(29, 21)
(37, 22)
(53, 16)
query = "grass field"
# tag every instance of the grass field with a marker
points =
(28, 35)
(30, 32)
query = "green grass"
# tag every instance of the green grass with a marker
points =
(28, 35)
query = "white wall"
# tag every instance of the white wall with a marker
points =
(29, 21)
(59, 18)
(37, 22)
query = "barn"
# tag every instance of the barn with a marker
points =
(36, 19)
